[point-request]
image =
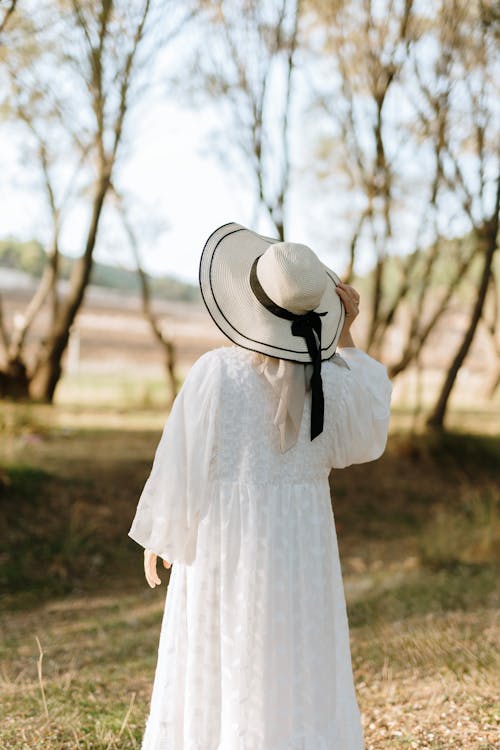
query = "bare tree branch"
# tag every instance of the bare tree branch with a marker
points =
(418, 333)
(489, 235)
(367, 55)
(259, 41)
(158, 332)
(7, 14)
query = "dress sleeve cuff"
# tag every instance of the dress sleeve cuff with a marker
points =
(372, 375)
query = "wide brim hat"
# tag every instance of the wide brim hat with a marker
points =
(227, 262)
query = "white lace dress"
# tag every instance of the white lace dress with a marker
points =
(254, 646)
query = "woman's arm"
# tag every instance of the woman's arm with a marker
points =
(363, 422)
(345, 340)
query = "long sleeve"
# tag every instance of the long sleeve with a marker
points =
(362, 427)
(177, 491)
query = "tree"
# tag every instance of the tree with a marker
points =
(98, 52)
(411, 106)
(488, 240)
(361, 53)
(157, 329)
(473, 154)
(492, 328)
(248, 70)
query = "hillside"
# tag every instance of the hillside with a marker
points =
(29, 257)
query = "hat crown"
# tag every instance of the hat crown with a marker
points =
(292, 276)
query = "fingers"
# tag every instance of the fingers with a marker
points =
(150, 559)
(349, 289)
(350, 298)
(150, 569)
(152, 576)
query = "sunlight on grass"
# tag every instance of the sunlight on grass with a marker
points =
(116, 390)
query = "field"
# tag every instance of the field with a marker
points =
(418, 533)
(419, 540)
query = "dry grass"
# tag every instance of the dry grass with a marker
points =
(424, 682)
(98, 655)
(433, 683)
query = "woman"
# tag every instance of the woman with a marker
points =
(254, 646)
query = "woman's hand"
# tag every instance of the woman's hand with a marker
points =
(350, 298)
(150, 568)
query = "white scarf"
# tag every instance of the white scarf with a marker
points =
(290, 381)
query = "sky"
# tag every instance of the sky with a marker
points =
(178, 193)
(173, 180)
(188, 187)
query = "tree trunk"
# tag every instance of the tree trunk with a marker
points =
(48, 368)
(14, 381)
(7, 14)
(375, 305)
(494, 384)
(489, 235)
(165, 342)
(169, 349)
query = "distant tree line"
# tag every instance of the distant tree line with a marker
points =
(30, 258)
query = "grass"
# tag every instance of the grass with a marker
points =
(418, 537)
(396, 598)
(416, 676)
(98, 656)
(122, 391)
(467, 534)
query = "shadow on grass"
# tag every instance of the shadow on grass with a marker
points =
(60, 535)
(66, 527)
(467, 452)
(459, 588)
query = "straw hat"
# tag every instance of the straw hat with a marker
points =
(237, 265)
(273, 297)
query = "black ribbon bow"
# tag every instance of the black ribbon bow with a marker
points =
(307, 325)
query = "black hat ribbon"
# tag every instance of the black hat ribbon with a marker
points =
(308, 326)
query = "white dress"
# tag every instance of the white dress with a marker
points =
(254, 647)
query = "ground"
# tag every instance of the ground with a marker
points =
(419, 543)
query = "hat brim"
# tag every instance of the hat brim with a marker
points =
(224, 276)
